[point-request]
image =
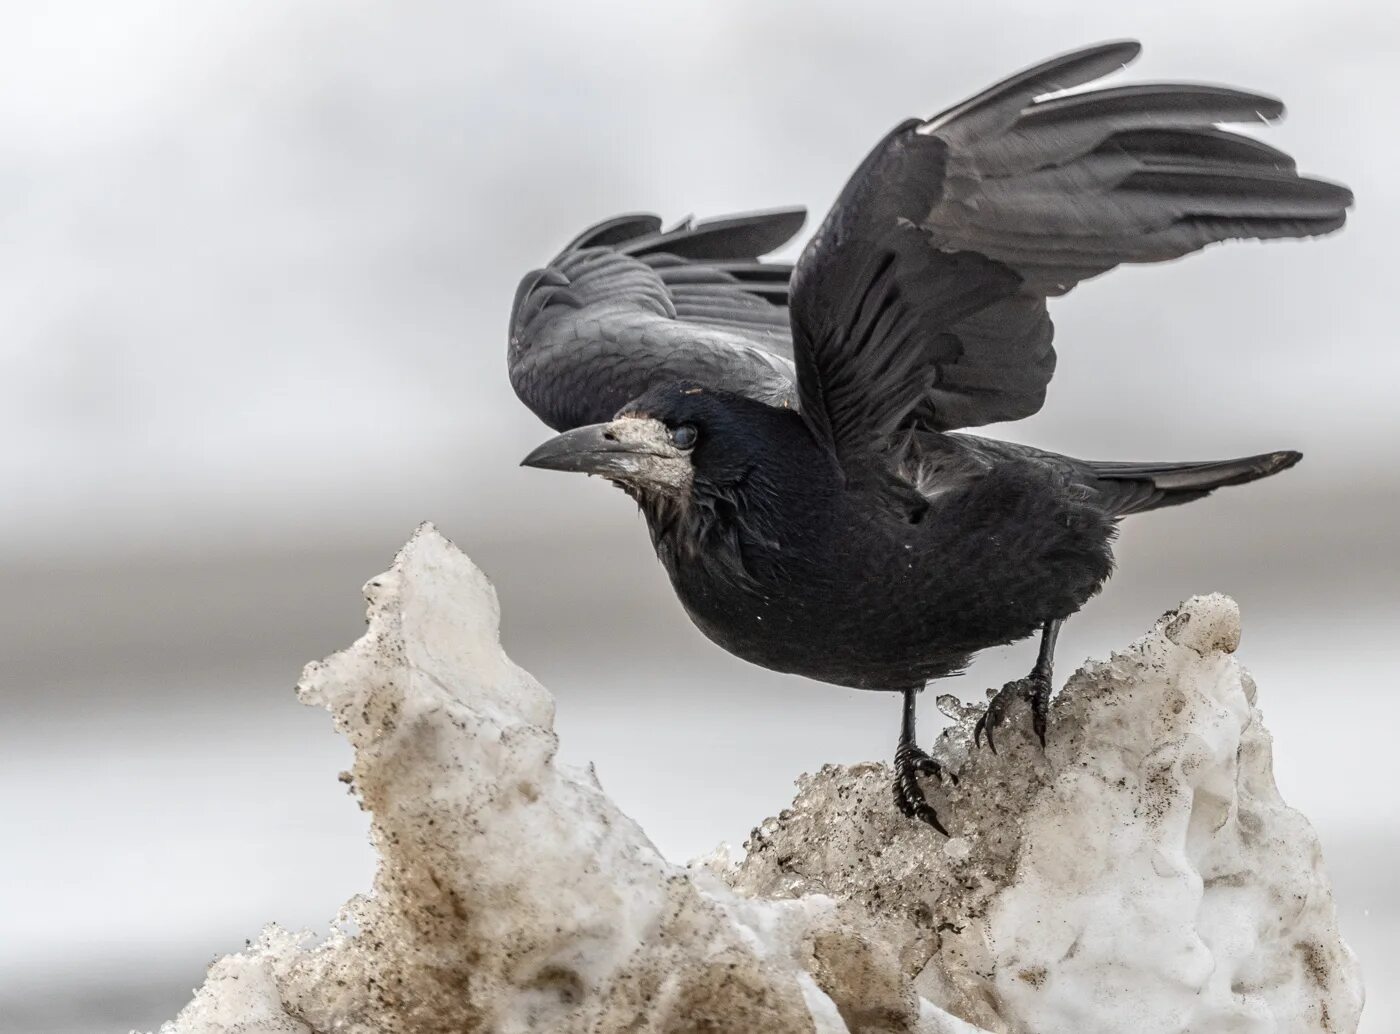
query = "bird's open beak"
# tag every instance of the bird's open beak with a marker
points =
(635, 450)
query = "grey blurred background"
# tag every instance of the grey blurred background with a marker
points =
(256, 262)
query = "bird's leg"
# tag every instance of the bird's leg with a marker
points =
(1034, 688)
(1042, 676)
(909, 763)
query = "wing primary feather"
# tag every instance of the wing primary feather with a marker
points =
(614, 230)
(1238, 192)
(1001, 102)
(1198, 146)
(1144, 103)
(746, 236)
(756, 270)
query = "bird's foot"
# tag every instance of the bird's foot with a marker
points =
(909, 763)
(1034, 689)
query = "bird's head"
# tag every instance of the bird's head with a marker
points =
(669, 443)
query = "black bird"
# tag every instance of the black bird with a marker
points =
(787, 430)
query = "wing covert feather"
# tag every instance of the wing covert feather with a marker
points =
(627, 305)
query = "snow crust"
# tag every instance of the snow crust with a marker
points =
(1142, 875)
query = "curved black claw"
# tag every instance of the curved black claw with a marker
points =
(1034, 689)
(925, 765)
(909, 763)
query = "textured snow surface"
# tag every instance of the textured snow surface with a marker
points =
(1143, 875)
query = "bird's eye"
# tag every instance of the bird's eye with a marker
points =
(683, 436)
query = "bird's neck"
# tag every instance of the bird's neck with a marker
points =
(741, 528)
(724, 525)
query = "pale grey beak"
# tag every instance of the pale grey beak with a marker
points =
(589, 450)
(635, 450)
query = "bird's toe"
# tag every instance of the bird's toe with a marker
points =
(1034, 689)
(909, 763)
(995, 715)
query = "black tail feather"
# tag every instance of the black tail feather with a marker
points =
(1136, 487)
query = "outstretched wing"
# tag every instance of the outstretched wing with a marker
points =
(921, 301)
(627, 305)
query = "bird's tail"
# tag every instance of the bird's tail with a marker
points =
(1136, 487)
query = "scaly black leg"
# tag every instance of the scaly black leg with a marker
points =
(1034, 688)
(909, 763)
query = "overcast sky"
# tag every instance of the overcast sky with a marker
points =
(258, 256)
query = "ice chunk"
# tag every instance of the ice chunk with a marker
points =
(1143, 875)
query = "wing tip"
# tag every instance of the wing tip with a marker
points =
(1127, 48)
(1268, 108)
(1339, 194)
(614, 230)
(1053, 75)
(740, 235)
(783, 220)
(1101, 56)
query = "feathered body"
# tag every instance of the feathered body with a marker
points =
(776, 559)
(781, 561)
